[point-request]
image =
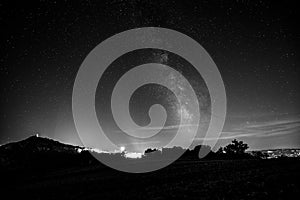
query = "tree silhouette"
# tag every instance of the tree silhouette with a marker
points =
(236, 148)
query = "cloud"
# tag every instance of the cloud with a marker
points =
(169, 127)
(273, 128)
(261, 129)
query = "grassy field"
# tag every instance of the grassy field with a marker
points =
(224, 179)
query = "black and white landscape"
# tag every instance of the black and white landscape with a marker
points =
(254, 45)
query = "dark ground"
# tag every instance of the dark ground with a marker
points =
(221, 179)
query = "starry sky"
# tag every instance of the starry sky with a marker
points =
(253, 43)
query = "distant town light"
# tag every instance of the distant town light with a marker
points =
(122, 149)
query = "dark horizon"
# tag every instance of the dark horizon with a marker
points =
(76, 145)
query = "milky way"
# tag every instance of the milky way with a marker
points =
(176, 97)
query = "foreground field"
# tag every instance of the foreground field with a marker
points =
(236, 179)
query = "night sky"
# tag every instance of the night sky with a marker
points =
(253, 43)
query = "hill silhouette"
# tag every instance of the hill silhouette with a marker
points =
(40, 153)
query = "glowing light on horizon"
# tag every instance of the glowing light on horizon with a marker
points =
(122, 149)
(133, 155)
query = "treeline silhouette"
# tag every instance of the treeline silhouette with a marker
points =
(235, 150)
(39, 153)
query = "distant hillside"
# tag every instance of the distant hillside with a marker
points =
(36, 144)
(35, 152)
